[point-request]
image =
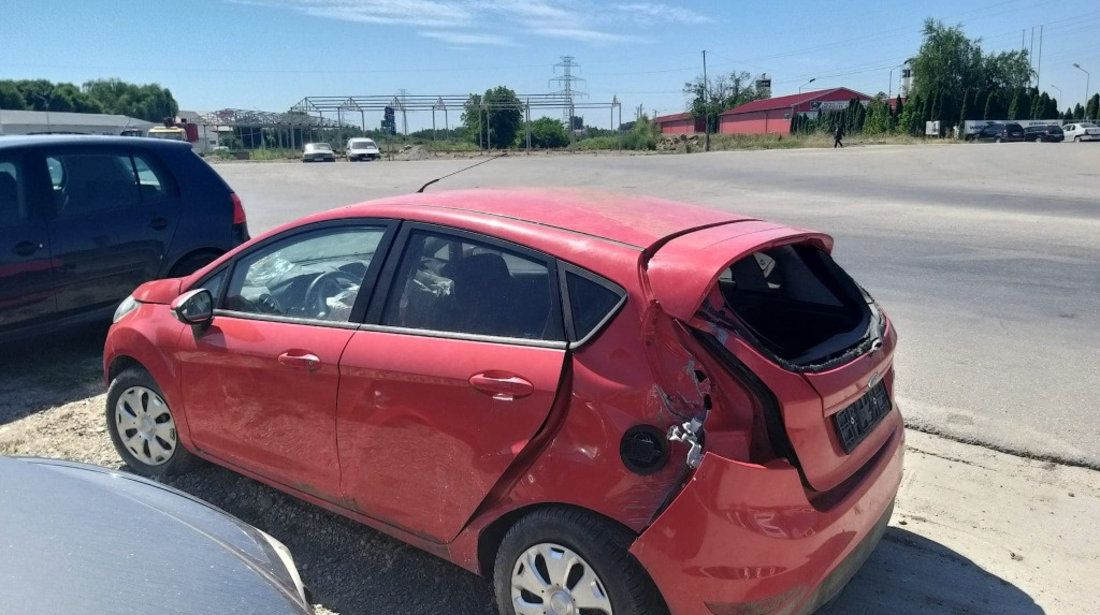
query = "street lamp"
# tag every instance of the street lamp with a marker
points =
(806, 84)
(1060, 95)
(1087, 76)
(46, 102)
(890, 87)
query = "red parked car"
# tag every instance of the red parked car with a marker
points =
(611, 404)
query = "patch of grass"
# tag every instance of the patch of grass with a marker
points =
(273, 154)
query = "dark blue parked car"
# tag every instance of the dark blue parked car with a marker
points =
(84, 220)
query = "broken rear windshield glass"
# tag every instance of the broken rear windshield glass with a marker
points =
(794, 302)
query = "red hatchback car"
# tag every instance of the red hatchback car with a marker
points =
(611, 404)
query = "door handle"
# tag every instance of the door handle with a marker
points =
(27, 248)
(502, 385)
(158, 224)
(307, 361)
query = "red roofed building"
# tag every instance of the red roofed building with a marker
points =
(773, 115)
(679, 124)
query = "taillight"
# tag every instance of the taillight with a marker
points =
(238, 209)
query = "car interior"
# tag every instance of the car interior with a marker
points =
(456, 285)
(795, 301)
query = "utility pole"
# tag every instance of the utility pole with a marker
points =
(706, 106)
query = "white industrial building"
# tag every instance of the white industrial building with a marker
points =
(41, 122)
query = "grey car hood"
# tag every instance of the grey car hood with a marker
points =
(78, 539)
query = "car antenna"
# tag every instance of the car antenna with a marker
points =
(500, 155)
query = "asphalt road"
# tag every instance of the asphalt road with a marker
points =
(986, 256)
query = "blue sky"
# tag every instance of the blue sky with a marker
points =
(269, 54)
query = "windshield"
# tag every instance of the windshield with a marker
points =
(364, 144)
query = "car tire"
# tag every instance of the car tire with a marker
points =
(1076, 139)
(1038, 139)
(997, 140)
(142, 426)
(597, 556)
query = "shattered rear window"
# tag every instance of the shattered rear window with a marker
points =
(794, 302)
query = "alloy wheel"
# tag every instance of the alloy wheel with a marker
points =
(554, 580)
(145, 426)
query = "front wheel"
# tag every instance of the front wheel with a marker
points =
(1038, 139)
(142, 426)
(1076, 139)
(565, 561)
(997, 140)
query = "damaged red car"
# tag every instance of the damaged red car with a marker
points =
(608, 404)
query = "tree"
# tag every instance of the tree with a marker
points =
(878, 117)
(548, 132)
(720, 94)
(495, 116)
(1078, 112)
(10, 98)
(950, 61)
(964, 109)
(1092, 111)
(1014, 106)
(643, 136)
(147, 102)
(992, 106)
(909, 120)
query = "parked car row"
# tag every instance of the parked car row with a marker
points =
(1007, 132)
(356, 149)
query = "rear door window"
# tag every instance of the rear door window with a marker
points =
(84, 183)
(457, 284)
(154, 182)
(13, 196)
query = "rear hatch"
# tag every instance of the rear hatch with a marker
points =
(771, 299)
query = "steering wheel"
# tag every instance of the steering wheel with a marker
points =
(328, 284)
(268, 305)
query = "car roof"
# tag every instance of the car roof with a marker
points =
(13, 141)
(637, 221)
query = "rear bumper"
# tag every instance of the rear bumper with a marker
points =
(743, 539)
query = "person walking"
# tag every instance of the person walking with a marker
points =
(838, 136)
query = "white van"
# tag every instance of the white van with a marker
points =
(362, 149)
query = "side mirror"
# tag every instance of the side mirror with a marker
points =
(195, 307)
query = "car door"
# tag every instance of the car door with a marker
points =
(115, 211)
(259, 385)
(26, 271)
(458, 373)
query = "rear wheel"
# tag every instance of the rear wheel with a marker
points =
(997, 140)
(1038, 139)
(1076, 139)
(142, 426)
(568, 562)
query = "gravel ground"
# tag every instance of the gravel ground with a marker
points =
(52, 405)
